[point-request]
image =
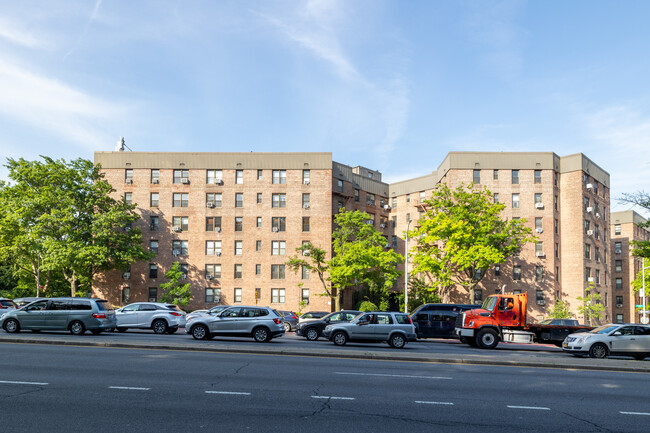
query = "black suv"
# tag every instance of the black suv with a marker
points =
(313, 329)
(438, 320)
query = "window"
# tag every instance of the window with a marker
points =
(619, 265)
(408, 198)
(279, 177)
(538, 198)
(539, 274)
(339, 185)
(277, 296)
(515, 177)
(587, 251)
(617, 229)
(153, 246)
(279, 224)
(181, 176)
(212, 248)
(394, 202)
(153, 270)
(305, 224)
(212, 271)
(555, 178)
(239, 224)
(153, 223)
(212, 295)
(306, 177)
(557, 274)
(128, 175)
(239, 199)
(258, 245)
(278, 248)
(259, 174)
(258, 222)
(555, 203)
(539, 297)
(213, 176)
(619, 301)
(597, 254)
(539, 248)
(597, 276)
(619, 318)
(239, 177)
(278, 200)
(126, 295)
(538, 176)
(478, 294)
(515, 201)
(238, 271)
(423, 196)
(618, 247)
(619, 283)
(180, 223)
(556, 226)
(258, 269)
(477, 176)
(538, 225)
(356, 195)
(585, 202)
(155, 176)
(237, 295)
(213, 200)
(596, 231)
(557, 250)
(370, 199)
(179, 248)
(516, 273)
(213, 224)
(496, 197)
(239, 246)
(304, 272)
(304, 296)
(587, 274)
(305, 201)
(497, 271)
(153, 199)
(277, 272)
(128, 197)
(181, 199)
(153, 294)
(259, 198)
(587, 226)
(495, 174)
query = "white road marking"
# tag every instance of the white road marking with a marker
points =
(394, 375)
(333, 398)
(13, 382)
(130, 388)
(529, 407)
(446, 403)
(228, 392)
(635, 413)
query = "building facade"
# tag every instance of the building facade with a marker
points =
(625, 267)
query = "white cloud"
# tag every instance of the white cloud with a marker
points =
(17, 35)
(92, 18)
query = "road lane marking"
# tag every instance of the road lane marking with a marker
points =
(634, 413)
(446, 403)
(130, 388)
(333, 398)
(13, 382)
(393, 375)
(529, 407)
(228, 392)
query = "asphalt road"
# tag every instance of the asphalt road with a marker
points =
(80, 389)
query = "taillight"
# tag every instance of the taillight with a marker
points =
(174, 313)
(277, 321)
(99, 315)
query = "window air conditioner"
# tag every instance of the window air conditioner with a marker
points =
(590, 279)
(176, 252)
(153, 228)
(217, 253)
(217, 229)
(126, 275)
(590, 186)
(590, 232)
(619, 305)
(155, 181)
(209, 204)
(387, 207)
(209, 277)
(382, 226)
(305, 206)
(617, 251)
(185, 180)
(539, 205)
(541, 302)
(183, 276)
(129, 181)
(590, 209)
(177, 229)
(387, 246)
(275, 229)
(306, 182)
(539, 230)
(218, 182)
(305, 253)
(540, 254)
(597, 215)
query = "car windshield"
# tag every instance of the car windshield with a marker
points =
(489, 303)
(277, 313)
(173, 308)
(6, 303)
(104, 306)
(605, 329)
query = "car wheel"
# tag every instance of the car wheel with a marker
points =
(598, 350)
(96, 331)
(77, 328)
(159, 326)
(261, 335)
(172, 330)
(121, 329)
(312, 334)
(287, 327)
(487, 339)
(199, 332)
(340, 338)
(397, 341)
(12, 326)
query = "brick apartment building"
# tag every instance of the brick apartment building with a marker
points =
(625, 267)
(233, 219)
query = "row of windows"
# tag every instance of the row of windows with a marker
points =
(213, 295)
(539, 296)
(214, 200)
(213, 247)
(213, 271)
(514, 176)
(215, 176)
(213, 224)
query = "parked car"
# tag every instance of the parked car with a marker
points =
(312, 315)
(214, 310)
(290, 320)
(159, 316)
(374, 326)
(626, 339)
(73, 314)
(6, 305)
(438, 320)
(313, 329)
(261, 323)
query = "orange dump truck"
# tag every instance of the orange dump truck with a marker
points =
(503, 318)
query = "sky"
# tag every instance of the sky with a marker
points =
(391, 85)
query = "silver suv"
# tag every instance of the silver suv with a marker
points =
(261, 323)
(158, 316)
(374, 326)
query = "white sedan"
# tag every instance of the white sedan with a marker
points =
(625, 339)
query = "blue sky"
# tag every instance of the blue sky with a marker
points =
(391, 85)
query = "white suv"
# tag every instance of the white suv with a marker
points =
(627, 339)
(158, 316)
(374, 326)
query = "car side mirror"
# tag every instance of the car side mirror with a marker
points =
(327, 320)
(617, 333)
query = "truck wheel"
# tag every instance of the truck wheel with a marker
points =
(487, 339)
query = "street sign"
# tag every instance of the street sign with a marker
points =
(639, 306)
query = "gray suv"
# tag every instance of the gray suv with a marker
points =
(374, 326)
(261, 323)
(58, 314)
(158, 316)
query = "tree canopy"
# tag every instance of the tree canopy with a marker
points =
(461, 235)
(175, 291)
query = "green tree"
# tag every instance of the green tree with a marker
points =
(420, 292)
(314, 259)
(462, 235)
(561, 310)
(175, 291)
(591, 306)
(58, 218)
(641, 248)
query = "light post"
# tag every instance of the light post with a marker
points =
(406, 268)
(644, 319)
